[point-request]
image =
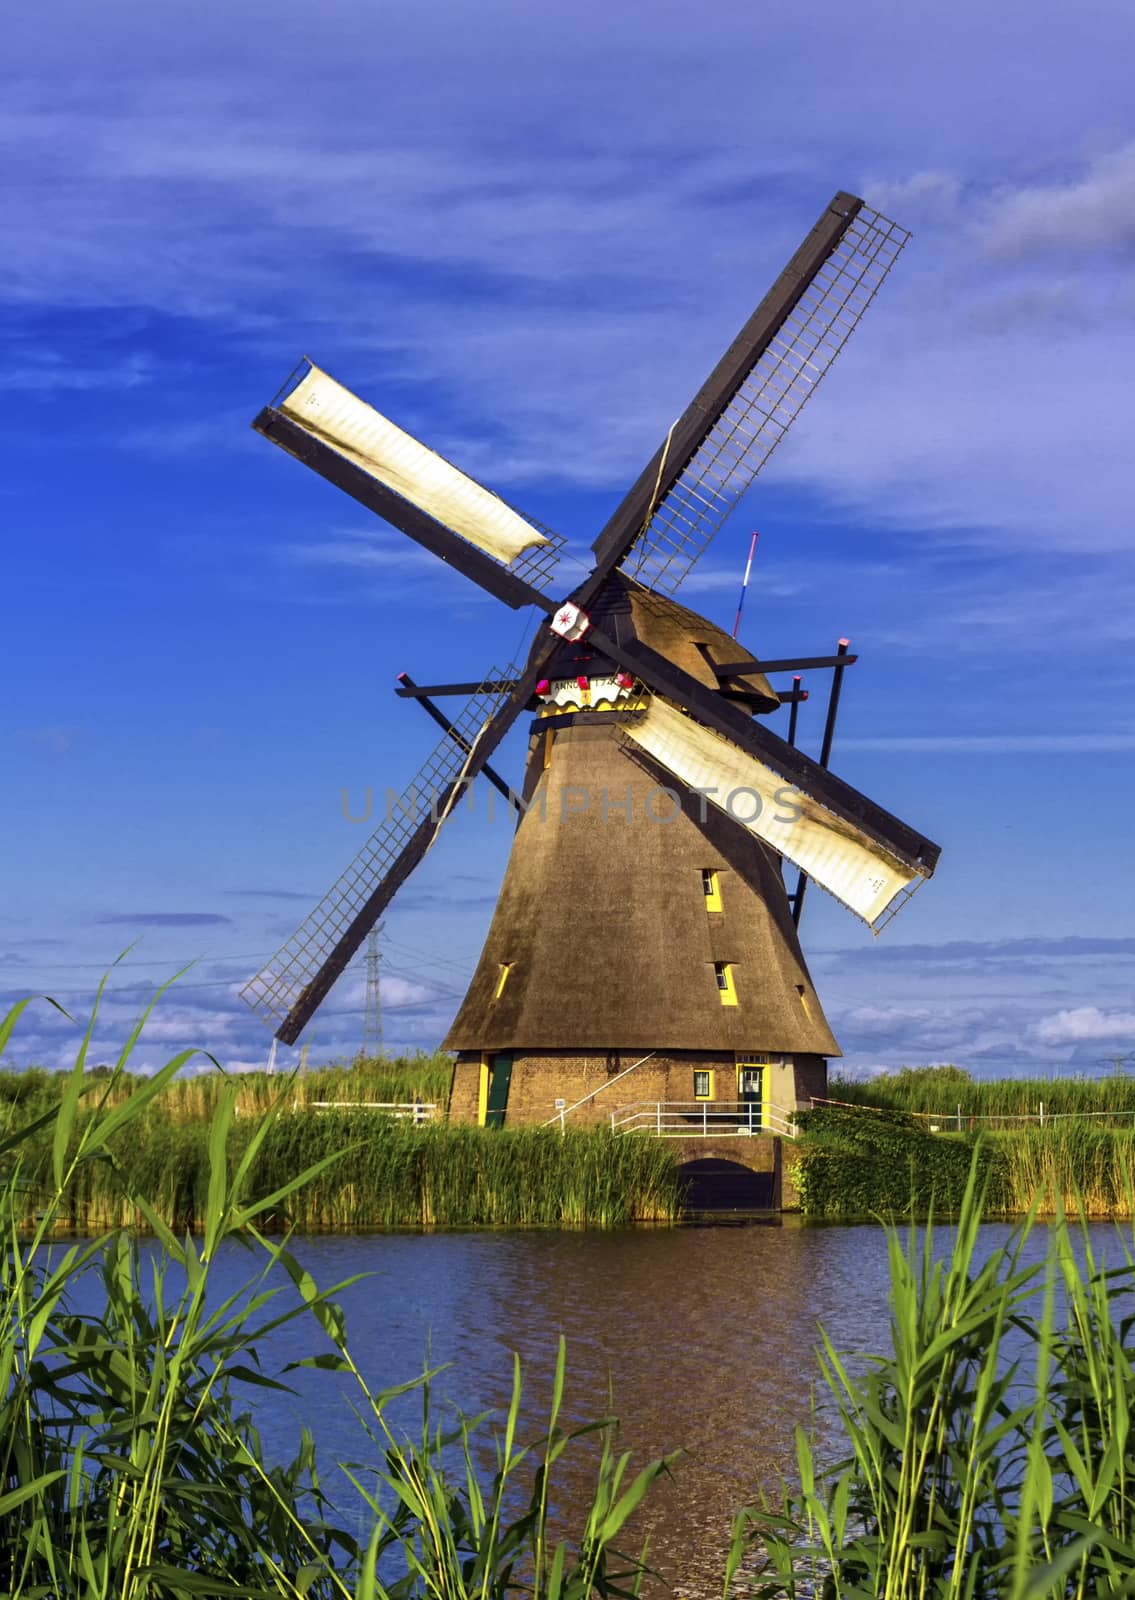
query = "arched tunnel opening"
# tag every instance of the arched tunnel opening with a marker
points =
(714, 1183)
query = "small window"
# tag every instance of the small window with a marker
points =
(727, 990)
(711, 888)
(800, 990)
(505, 969)
(703, 1085)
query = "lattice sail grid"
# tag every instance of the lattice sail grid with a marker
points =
(275, 990)
(766, 404)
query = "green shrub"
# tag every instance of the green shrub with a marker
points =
(862, 1163)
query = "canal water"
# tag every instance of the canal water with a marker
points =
(700, 1339)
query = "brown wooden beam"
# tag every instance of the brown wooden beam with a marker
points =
(842, 660)
(738, 669)
(443, 721)
(409, 690)
(672, 457)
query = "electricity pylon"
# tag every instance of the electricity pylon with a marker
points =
(372, 1016)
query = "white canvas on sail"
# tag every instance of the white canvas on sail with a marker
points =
(845, 861)
(327, 411)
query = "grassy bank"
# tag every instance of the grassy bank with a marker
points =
(859, 1163)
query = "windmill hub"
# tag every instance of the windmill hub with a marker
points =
(570, 622)
(710, 1002)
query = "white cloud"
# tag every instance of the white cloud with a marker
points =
(1085, 1022)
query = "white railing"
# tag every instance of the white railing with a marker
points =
(410, 1111)
(696, 1119)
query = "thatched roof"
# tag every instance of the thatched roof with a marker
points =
(604, 928)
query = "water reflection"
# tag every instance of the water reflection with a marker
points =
(700, 1339)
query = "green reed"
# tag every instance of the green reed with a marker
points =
(391, 1080)
(942, 1090)
(988, 1454)
(386, 1174)
(1071, 1165)
(129, 1469)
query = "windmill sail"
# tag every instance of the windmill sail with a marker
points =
(723, 439)
(286, 992)
(327, 410)
(843, 858)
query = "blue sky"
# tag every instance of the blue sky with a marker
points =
(526, 233)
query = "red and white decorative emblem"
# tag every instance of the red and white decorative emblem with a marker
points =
(570, 622)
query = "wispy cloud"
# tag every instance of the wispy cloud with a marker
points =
(60, 741)
(163, 919)
(998, 743)
(575, 346)
(1090, 210)
(363, 550)
(270, 894)
(965, 951)
(50, 372)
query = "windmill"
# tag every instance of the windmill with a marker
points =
(631, 950)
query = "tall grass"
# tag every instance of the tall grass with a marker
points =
(384, 1175)
(388, 1173)
(390, 1080)
(1072, 1166)
(989, 1451)
(942, 1090)
(129, 1470)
